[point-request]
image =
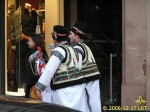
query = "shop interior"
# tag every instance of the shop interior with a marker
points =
(16, 51)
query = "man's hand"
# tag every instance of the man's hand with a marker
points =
(38, 93)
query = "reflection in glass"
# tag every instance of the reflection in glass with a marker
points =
(21, 23)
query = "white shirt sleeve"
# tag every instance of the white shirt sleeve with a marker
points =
(79, 65)
(80, 61)
(50, 70)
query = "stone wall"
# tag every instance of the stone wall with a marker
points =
(148, 54)
(136, 51)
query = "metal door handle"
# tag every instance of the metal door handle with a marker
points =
(111, 73)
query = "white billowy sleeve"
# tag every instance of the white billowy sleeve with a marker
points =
(79, 51)
(55, 60)
(80, 61)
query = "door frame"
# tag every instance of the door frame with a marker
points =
(80, 16)
(2, 47)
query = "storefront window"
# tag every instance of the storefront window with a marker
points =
(24, 18)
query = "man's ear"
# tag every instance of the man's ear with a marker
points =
(77, 36)
(55, 41)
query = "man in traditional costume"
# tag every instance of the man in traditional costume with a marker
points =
(61, 71)
(87, 65)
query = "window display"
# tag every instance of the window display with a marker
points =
(23, 20)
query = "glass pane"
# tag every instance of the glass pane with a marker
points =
(21, 23)
(12, 75)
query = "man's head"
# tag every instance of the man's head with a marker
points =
(28, 6)
(59, 34)
(77, 32)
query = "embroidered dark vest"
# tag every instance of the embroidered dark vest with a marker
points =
(69, 75)
(89, 67)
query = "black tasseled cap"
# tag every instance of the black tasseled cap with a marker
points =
(60, 29)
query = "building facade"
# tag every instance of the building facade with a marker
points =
(119, 38)
(136, 54)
